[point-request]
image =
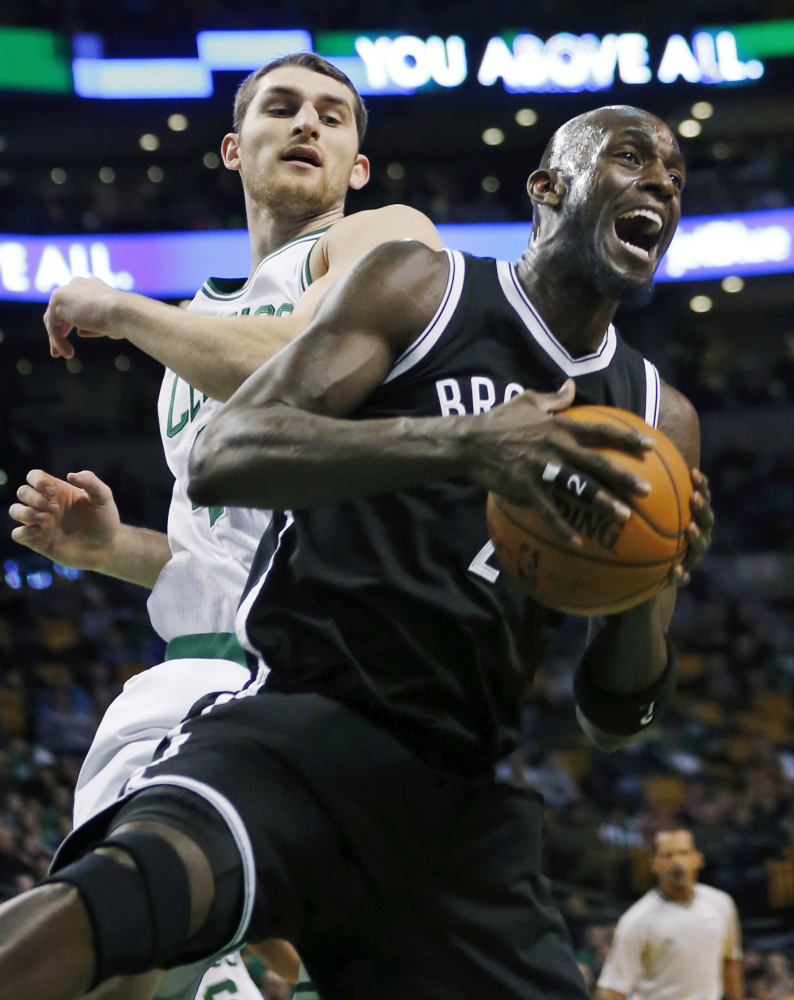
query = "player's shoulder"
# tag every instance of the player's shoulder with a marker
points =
(639, 914)
(380, 225)
(678, 419)
(714, 897)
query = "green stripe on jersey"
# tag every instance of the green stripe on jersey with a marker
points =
(206, 646)
(306, 275)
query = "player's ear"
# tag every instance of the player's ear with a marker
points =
(546, 187)
(359, 175)
(230, 151)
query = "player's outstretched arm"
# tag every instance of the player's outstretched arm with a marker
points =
(282, 442)
(627, 675)
(76, 523)
(215, 354)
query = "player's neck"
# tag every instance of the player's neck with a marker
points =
(267, 231)
(578, 316)
(678, 893)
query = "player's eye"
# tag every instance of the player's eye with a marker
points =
(677, 180)
(629, 156)
(331, 120)
(281, 112)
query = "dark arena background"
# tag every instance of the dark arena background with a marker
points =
(111, 117)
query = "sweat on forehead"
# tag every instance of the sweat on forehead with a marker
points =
(573, 145)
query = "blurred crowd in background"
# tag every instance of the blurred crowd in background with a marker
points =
(720, 762)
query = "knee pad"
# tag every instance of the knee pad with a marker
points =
(139, 912)
(190, 814)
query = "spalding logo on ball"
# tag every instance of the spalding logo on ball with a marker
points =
(618, 566)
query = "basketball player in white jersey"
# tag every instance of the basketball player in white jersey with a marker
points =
(682, 940)
(298, 127)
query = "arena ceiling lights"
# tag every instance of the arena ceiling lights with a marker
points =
(33, 59)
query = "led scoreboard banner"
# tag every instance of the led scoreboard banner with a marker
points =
(175, 265)
(34, 59)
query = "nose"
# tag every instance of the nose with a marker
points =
(656, 180)
(306, 122)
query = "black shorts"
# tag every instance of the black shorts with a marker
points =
(392, 880)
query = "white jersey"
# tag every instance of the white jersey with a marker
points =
(665, 950)
(199, 588)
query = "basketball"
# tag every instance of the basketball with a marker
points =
(617, 566)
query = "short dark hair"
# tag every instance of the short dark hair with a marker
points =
(306, 60)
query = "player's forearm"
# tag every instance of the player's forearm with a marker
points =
(733, 979)
(214, 354)
(622, 682)
(628, 651)
(137, 555)
(283, 458)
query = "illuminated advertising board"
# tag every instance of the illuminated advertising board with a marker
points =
(175, 265)
(391, 62)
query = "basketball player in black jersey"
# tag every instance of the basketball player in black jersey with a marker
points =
(347, 803)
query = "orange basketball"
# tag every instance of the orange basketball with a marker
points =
(617, 567)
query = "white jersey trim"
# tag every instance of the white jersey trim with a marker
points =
(247, 603)
(427, 340)
(653, 394)
(517, 298)
(237, 829)
(209, 292)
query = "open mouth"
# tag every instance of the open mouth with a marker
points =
(302, 155)
(639, 230)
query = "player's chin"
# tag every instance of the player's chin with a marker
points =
(632, 264)
(626, 279)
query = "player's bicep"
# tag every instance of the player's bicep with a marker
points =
(326, 370)
(363, 324)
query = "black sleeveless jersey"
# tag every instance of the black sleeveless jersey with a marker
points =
(395, 605)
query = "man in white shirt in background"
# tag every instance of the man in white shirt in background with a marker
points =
(681, 941)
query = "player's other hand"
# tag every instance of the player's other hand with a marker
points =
(87, 305)
(74, 523)
(698, 531)
(514, 445)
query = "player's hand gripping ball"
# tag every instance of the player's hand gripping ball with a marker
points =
(617, 566)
